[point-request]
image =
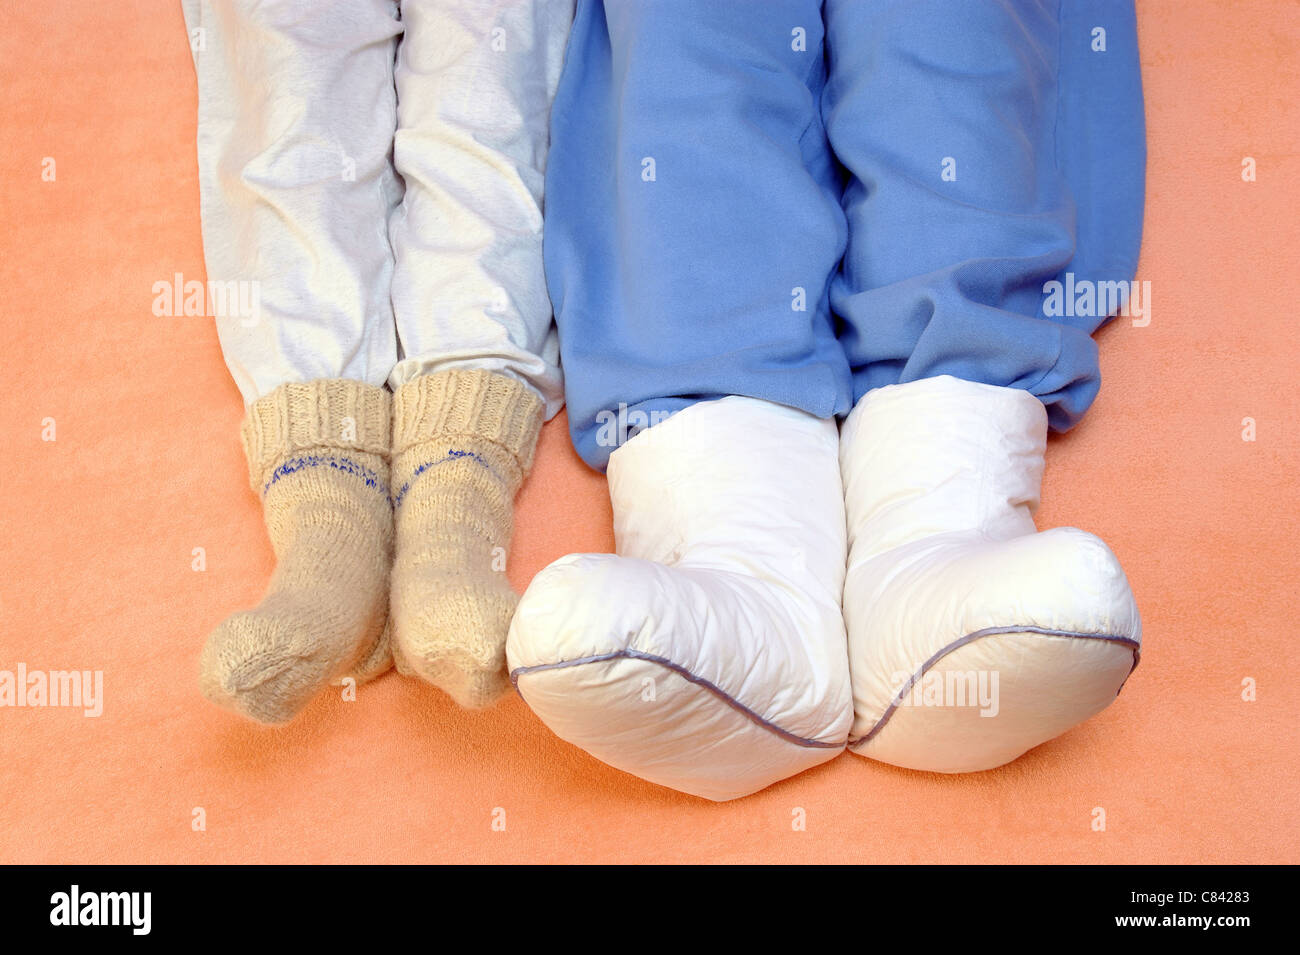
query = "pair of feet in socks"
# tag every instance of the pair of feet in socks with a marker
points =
(784, 590)
(389, 516)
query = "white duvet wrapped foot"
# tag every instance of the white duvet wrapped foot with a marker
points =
(972, 636)
(709, 655)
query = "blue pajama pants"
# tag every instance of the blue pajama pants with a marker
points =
(801, 201)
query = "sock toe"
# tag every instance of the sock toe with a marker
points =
(256, 665)
(451, 633)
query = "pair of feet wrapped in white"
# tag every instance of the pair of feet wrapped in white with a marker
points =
(784, 590)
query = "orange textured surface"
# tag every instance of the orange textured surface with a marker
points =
(99, 526)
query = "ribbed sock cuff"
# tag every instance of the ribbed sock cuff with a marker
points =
(326, 413)
(469, 404)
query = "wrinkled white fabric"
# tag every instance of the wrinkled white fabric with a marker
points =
(382, 200)
(949, 583)
(709, 655)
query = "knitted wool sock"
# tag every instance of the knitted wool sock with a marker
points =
(318, 456)
(462, 442)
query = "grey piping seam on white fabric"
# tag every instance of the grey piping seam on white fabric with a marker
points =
(1129, 642)
(731, 701)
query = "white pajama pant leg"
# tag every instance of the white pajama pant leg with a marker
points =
(475, 81)
(295, 127)
(300, 143)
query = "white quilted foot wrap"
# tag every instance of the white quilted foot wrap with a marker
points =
(709, 655)
(972, 636)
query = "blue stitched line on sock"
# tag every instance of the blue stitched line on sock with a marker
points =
(452, 455)
(346, 465)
